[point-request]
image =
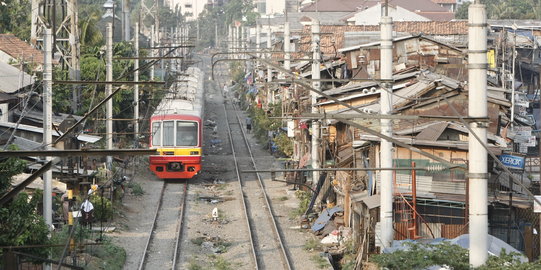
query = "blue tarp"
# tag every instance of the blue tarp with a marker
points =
(324, 217)
(252, 90)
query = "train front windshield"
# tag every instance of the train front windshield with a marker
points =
(186, 133)
(163, 133)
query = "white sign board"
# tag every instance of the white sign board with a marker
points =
(532, 141)
(291, 128)
(536, 206)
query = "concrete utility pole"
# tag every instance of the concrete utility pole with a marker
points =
(230, 39)
(152, 44)
(126, 20)
(513, 85)
(316, 75)
(270, 95)
(386, 151)
(233, 44)
(136, 86)
(287, 46)
(237, 41)
(258, 42)
(246, 39)
(173, 38)
(477, 155)
(48, 122)
(74, 53)
(108, 91)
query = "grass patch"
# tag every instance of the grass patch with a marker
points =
(198, 241)
(220, 263)
(222, 246)
(283, 198)
(304, 200)
(136, 189)
(320, 262)
(312, 244)
(222, 186)
(108, 256)
(194, 265)
(219, 244)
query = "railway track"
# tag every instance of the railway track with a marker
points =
(163, 243)
(268, 250)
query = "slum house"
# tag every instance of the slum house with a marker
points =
(408, 52)
(295, 99)
(518, 73)
(440, 194)
(73, 171)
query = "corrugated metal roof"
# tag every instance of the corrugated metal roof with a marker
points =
(432, 133)
(81, 137)
(12, 79)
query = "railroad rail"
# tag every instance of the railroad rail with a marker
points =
(157, 253)
(265, 247)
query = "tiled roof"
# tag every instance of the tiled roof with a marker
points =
(444, 1)
(438, 16)
(16, 48)
(332, 36)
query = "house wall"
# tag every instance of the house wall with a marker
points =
(372, 15)
(4, 112)
(353, 102)
(5, 58)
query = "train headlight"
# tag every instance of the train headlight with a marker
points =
(193, 153)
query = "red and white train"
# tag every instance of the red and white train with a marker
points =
(177, 128)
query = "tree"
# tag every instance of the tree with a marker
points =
(15, 18)
(88, 25)
(8, 168)
(20, 222)
(499, 9)
(221, 17)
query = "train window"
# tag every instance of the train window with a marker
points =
(157, 133)
(168, 133)
(186, 133)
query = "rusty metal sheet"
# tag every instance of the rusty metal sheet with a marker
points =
(451, 231)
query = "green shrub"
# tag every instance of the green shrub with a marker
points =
(103, 208)
(136, 189)
(420, 256)
(304, 200)
(284, 143)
